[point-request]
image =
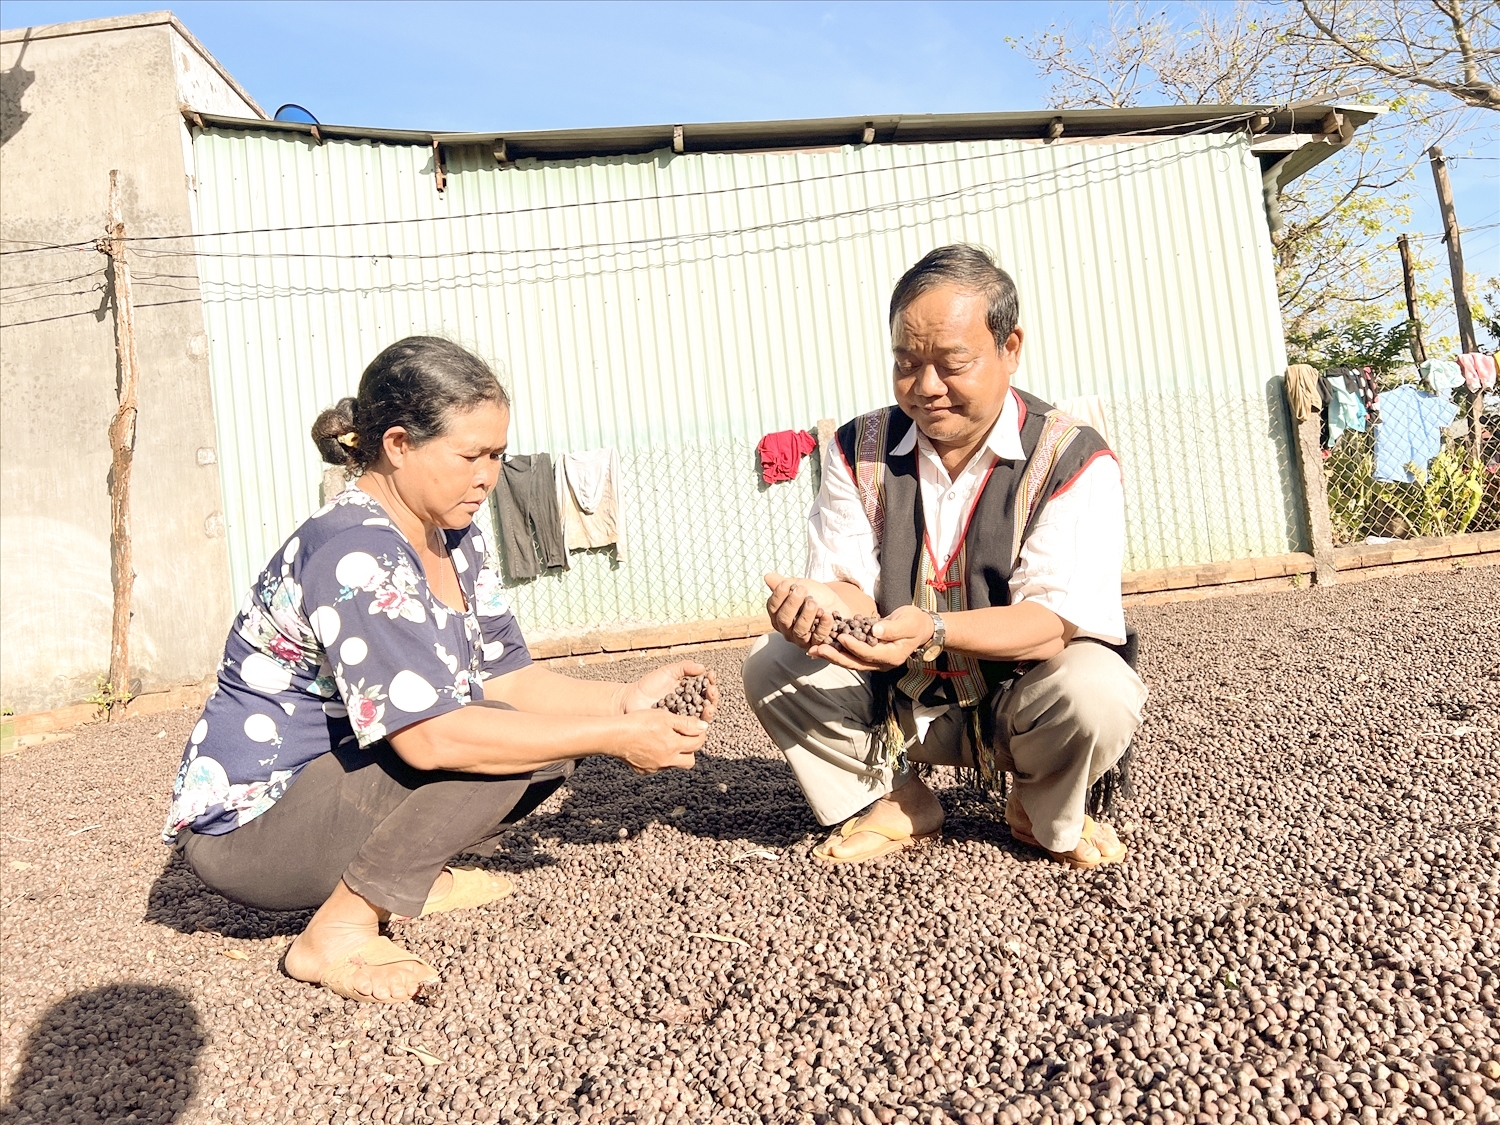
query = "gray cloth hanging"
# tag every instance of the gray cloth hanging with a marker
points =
(528, 508)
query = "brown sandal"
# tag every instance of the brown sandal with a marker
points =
(1020, 830)
(471, 887)
(894, 842)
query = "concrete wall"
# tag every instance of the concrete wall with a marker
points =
(80, 100)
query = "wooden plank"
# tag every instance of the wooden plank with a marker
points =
(1143, 581)
(1359, 555)
(188, 697)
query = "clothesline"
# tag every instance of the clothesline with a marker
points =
(549, 509)
(1408, 420)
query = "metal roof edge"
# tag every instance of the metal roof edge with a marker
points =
(730, 136)
(1287, 157)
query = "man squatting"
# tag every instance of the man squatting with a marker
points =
(986, 528)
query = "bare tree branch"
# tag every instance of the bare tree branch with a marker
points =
(1419, 69)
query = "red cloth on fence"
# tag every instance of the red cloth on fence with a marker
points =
(781, 453)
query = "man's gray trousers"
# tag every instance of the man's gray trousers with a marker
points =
(1063, 724)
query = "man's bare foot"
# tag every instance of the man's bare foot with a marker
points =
(911, 810)
(1098, 845)
(343, 924)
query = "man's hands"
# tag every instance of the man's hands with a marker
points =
(658, 739)
(802, 610)
(898, 636)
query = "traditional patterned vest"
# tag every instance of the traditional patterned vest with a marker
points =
(1057, 447)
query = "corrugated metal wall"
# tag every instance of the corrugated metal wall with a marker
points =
(679, 307)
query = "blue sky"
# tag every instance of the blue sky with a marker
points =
(478, 66)
(460, 66)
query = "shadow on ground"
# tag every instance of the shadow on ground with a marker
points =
(749, 800)
(721, 798)
(116, 1053)
(179, 900)
(737, 799)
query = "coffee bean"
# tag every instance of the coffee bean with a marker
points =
(857, 628)
(688, 697)
(1305, 922)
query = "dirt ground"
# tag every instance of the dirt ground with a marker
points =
(1305, 927)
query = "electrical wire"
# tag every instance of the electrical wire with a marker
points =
(141, 241)
(1161, 131)
(643, 243)
(43, 284)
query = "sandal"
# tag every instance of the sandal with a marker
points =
(471, 887)
(1092, 856)
(375, 953)
(894, 842)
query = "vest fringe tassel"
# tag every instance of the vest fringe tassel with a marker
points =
(986, 780)
(890, 738)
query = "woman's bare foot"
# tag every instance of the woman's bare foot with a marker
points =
(343, 924)
(911, 810)
(441, 887)
(463, 888)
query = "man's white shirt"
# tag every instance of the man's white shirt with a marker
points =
(1070, 562)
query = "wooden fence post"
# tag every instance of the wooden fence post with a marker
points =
(1314, 489)
(1409, 283)
(1466, 340)
(122, 453)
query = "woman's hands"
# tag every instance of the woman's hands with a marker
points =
(655, 686)
(663, 744)
(656, 739)
(905, 631)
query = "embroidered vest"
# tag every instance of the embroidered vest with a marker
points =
(1057, 449)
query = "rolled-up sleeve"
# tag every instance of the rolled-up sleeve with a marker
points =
(840, 541)
(1072, 559)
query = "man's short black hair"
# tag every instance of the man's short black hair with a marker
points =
(964, 267)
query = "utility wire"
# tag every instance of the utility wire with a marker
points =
(660, 200)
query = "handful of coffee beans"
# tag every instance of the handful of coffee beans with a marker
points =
(688, 697)
(860, 629)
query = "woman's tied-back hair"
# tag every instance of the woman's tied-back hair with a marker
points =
(964, 267)
(417, 383)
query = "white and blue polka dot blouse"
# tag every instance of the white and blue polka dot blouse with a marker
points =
(341, 640)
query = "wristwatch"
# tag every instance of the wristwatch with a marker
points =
(939, 638)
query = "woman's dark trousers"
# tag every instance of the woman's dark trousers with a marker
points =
(368, 818)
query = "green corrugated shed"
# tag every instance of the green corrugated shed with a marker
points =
(679, 306)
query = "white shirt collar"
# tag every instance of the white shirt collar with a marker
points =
(1004, 438)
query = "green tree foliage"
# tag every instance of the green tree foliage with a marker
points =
(1487, 310)
(1432, 63)
(1353, 343)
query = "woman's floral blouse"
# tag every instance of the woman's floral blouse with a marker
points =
(340, 640)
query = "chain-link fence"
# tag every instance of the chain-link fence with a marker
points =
(1402, 461)
(701, 529)
(1206, 480)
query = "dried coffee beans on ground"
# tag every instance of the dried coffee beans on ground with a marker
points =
(1304, 928)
